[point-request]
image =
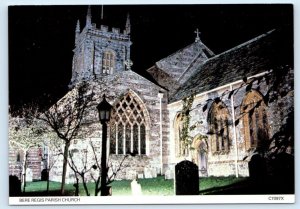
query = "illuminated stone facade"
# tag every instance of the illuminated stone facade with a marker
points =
(146, 117)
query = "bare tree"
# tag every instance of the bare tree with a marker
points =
(53, 146)
(96, 174)
(66, 117)
(80, 170)
(87, 162)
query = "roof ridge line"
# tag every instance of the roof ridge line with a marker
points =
(190, 65)
(243, 44)
(193, 62)
(232, 49)
(175, 52)
(179, 50)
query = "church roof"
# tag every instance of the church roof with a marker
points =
(255, 56)
(177, 63)
(163, 79)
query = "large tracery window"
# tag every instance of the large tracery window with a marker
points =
(218, 120)
(254, 120)
(180, 149)
(128, 127)
(108, 62)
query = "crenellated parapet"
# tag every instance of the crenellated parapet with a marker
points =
(99, 51)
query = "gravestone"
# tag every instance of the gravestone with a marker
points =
(136, 189)
(284, 173)
(28, 175)
(14, 186)
(186, 178)
(44, 175)
(150, 173)
(257, 169)
(169, 174)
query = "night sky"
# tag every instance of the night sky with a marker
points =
(41, 38)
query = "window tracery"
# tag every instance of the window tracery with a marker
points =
(255, 120)
(180, 149)
(218, 121)
(128, 127)
(108, 62)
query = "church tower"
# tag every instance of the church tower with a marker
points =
(99, 51)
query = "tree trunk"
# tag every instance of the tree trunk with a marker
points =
(48, 181)
(24, 182)
(84, 185)
(24, 171)
(97, 189)
(76, 186)
(65, 164)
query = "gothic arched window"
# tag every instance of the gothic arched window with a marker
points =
(255, 120)
(108, 62)
(128, 127)
(218, 120)
(180, 149)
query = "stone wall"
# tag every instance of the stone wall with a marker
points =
(115, 87)
(34, 163)
(15, 168)
(224, 164)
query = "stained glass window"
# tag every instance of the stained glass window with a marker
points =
(135, 139)
(120, 138)
(255, 120)
(131, 128)
(219, 127)
(143, 139)
(180, 148)
(128, 138)
(113, 139)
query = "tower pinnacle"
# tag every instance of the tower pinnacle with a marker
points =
(77, 27)
(77, 31)
(102, 12)
(127, 26)
(89, 17)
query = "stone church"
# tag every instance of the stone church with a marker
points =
(147, 112)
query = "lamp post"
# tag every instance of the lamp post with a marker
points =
(104, 109)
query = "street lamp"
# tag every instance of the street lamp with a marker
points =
(104, 109)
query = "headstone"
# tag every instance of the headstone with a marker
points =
(153, 172)
(147, 173)
(186, 178)
(169, 174)
(136, 188)
(44, 175)
(257, 169)
(14, 186)
(28, 175)
(140, 175)
(284, 166)
(284, 173)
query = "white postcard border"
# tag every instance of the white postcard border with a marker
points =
(123, 200)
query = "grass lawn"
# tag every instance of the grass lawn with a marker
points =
(157, 186)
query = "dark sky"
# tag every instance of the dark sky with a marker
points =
(41, 38)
